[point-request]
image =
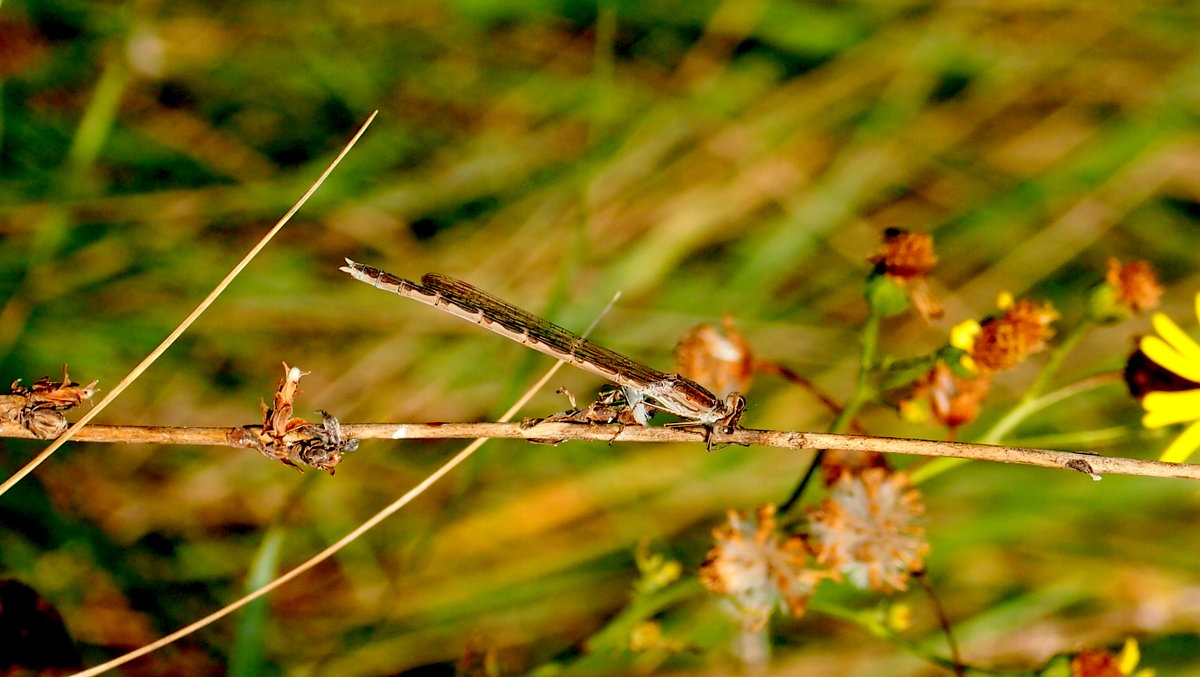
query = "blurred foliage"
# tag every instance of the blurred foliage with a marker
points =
(702, 157)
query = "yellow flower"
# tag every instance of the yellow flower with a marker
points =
(1177, 352)
(963, 336)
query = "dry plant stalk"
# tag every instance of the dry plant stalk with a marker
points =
(1090, 464)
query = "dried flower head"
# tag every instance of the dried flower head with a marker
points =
(39, 407)
(44, 423)
(1103, 663)
(867, 529)
(908, 259)
(838, 462)
(757, 568)
(1095, 663)
(1005, 341)
(57, 395)
(954, 401)
(718, 359)
(319, 446)
(1135, 284)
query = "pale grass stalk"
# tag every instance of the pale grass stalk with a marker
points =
(1084, 462)
(142, 366)
(343, 541)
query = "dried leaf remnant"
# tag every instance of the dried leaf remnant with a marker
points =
(39, 407)
(321, 445)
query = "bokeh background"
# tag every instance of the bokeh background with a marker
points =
(702, 157)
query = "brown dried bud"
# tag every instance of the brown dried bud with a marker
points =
(954, 401)
(1095, 663)
(1135, 284)
(909, 258)
(12, 406)
(44, 423)
(905, 254)
(277, 420)
(836, 463)
(38, 408)
(720, 360)
(324, 444)
(61, 395)
(1004, 342)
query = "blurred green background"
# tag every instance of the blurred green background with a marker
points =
(702, 157)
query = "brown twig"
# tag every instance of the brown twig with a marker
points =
(1090, 464)
(943, 621)
(777, 369)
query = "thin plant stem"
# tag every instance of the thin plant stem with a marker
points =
(1085, 438)
(862, 392)
(187, 322)
(771, 367)
(1078, 461)
(1055, 360)
(1030, 401)
(1001, 428)
(943, 621)
(870, 621)
(1026, 407)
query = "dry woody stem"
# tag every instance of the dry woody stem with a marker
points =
(244, 437)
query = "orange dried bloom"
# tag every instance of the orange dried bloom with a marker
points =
(908, 258)
(867, 529)
(838, 462)
(720, 360)
(905, 254)
(758, 569)
(953, 400)
(1135, 283)
(1095, 663)
(1004, 342)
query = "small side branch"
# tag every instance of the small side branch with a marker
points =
(1090, 464)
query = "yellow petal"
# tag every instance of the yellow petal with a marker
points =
(962, 336)
(1128, 659)
(1167, 408)
(1169, 358)
(1183, 446)
(1175, 336)
(1004, 300)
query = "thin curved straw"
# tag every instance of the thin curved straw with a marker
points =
(183, 326)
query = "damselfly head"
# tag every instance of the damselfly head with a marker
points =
(735, 404)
